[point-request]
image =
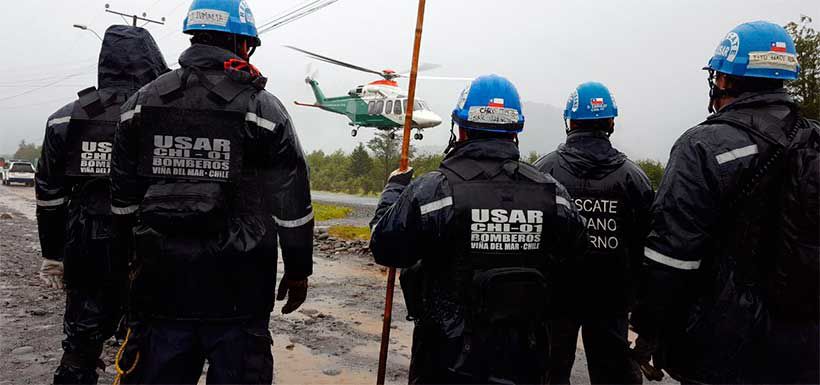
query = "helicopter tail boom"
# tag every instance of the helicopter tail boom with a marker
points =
(307, 105)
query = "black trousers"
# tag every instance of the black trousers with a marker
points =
(174, 352)
(606, 347)
(91, 317)
(433, 356)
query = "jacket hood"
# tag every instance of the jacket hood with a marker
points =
(129, 59)
(589, 154)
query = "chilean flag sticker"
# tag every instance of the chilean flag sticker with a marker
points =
(778, 46)
(596, 102)
(496, 102)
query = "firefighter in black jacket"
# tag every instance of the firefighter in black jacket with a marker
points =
(732, 254)
(481, 237)
(73, 201)
(208, 177)
(613, 194)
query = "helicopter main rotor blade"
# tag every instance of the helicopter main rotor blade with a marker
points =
(334, 61)
(440, 78)
(422, 67)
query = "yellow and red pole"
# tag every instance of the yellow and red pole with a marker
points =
(403, 166)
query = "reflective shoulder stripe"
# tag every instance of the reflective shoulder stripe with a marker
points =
(736, 154)
(50, 202)
(559, 200)
(127, 115)
(294, 223)
(669, 261)
(56, 121)
(124, 210)
(436, 205)
(261, 122)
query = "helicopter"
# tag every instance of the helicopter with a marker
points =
(380, 104)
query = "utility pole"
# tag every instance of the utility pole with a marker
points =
(136, 18)
(403, 166)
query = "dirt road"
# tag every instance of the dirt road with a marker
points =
(332, 339)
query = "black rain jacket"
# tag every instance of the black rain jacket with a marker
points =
(614, 195)
(73, 213)
(702, 299)
(232, 273)
(413, 223)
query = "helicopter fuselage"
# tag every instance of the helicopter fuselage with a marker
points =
(380, 104)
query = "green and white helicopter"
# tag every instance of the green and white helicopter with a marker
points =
(380, 104)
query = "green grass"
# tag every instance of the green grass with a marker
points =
(323, 212)
(349, 232)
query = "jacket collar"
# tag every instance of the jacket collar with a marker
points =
(485, 149)
(758, 99)
(205, 57)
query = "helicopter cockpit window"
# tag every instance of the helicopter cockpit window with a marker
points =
(388, 109)
(379, 107)
(397, 107)
(417, 105)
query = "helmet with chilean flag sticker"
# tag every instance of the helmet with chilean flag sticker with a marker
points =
(759, 49)
(490, 103)
(591, 100)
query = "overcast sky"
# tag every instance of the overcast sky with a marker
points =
(649, 53)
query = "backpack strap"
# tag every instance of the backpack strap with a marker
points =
(740, 119)
(91, 102)
(171, 86)
(225, 89)
(464, 169)
(752, 183)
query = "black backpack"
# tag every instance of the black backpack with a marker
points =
(772, 260)
(794, 283)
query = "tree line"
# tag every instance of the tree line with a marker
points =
(366, 169)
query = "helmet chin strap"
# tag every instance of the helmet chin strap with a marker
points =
(453, 138)
(716, 93)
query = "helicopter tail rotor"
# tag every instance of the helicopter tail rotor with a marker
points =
(311, 72)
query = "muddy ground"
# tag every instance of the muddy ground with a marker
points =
(332, 339)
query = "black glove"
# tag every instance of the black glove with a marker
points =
(642, 353)
(295, 290)
(401, 177)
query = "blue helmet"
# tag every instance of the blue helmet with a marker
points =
(490, 103)
(758, 49)
(591, 100)
(229, 16)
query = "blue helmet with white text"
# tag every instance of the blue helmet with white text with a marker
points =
(758, 49)
(228, 16)
(490, 103)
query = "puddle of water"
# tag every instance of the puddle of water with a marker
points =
(299, 366)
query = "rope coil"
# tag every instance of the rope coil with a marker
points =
(120, 351)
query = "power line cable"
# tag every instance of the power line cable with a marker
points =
(287, 13)
(288, 20)
(41, 87)
(290, 16)
(40, 103)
